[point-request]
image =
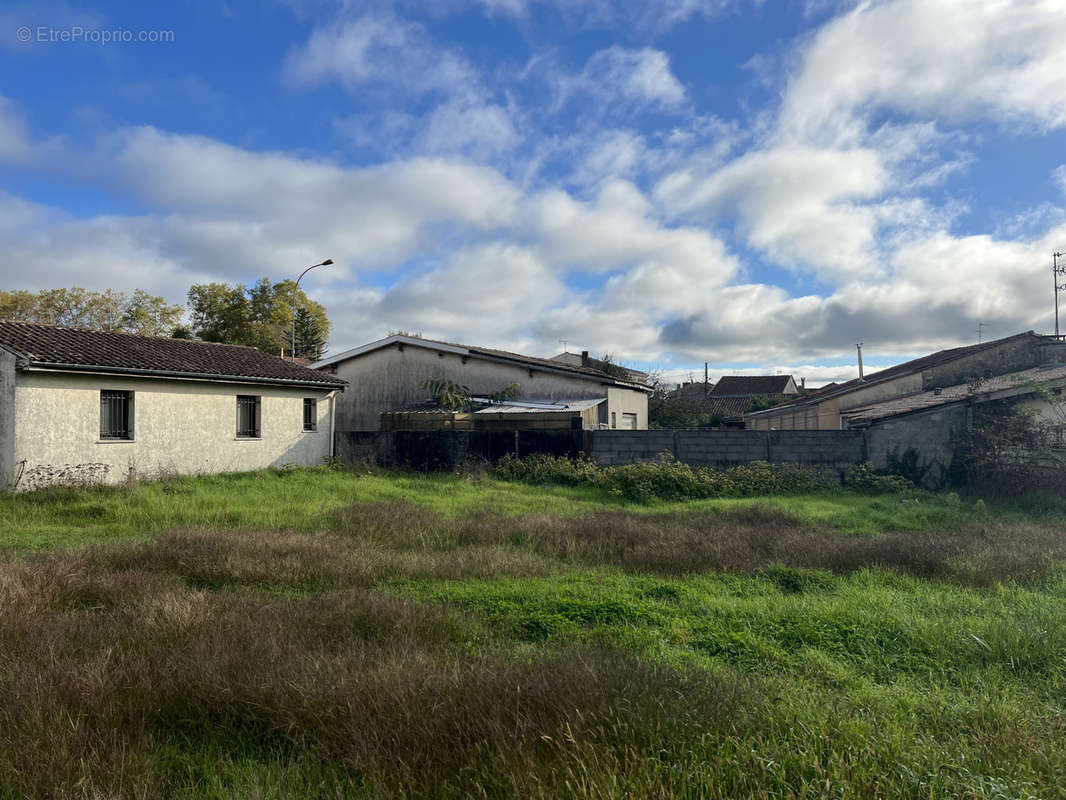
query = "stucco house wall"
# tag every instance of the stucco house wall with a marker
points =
(179, 427)
(7, 415)
(388, 379)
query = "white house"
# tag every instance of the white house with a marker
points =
(79, 406)
(386, 375)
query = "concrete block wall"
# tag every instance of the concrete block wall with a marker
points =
(709, 448)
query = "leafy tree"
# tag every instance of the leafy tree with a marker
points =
(109, 310)
(607, 365)
(667, 409)
(260, 316)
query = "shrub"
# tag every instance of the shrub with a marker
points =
(866, 476)
(665, 479)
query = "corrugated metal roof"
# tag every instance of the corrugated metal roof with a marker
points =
(517, 407)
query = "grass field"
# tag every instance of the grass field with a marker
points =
(315, 633)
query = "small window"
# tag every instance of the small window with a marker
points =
(614, 420)
(310, 414)
(116, 415)
(629, 421)
(248, 416)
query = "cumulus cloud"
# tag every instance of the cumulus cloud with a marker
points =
(933, 57)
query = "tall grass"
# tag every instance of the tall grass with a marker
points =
(308, 499)
(409, 636)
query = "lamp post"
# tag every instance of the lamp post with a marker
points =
(326, 263)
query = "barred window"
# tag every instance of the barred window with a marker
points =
(248, 416)
(116, 415)
(310, 414)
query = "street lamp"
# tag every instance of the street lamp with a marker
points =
(326, 263)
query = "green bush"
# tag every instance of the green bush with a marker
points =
(866, 476)
(665, 479)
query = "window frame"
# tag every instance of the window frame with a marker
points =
(106, 432)
(257, 423)
(311, 402)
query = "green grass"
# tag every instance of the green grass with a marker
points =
(317, 633)
(307, 499)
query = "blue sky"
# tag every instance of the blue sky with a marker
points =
(754, 184)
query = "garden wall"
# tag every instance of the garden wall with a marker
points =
(831, 449)
(436, 450)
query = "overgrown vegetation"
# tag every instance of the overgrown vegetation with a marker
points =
(669, 479)
(452, 396)
(383, 635)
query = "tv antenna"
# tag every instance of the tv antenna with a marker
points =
(980, 330)
(1058, 268)
(563, 343)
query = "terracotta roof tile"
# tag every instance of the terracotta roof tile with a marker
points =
(54, 345)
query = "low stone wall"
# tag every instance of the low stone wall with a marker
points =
(723, 449)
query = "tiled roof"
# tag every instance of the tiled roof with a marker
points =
(418, 341)
(906, 368)
(53, 346)
(920, 401)
(748, 385)
(726, 405)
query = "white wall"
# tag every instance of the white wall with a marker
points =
(180, 427)
(7, 417)
(388, 379)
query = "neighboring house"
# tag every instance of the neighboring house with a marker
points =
(585, 360)
(930, 423)
(734, 394)
(694, 393)
(828, 408)
(385, 376)
(79, 406)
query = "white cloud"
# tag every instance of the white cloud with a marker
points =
(378, 51)
(473, 296)
(618, 79)
(641, 76)
(618, 231)
(793, 202)
(938, 58)
(373, 216)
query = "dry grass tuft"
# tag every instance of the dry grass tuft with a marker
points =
(99, 670)
(678, 543)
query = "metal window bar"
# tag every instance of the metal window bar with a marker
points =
(115, 415)
(248, 416)
(310, 414)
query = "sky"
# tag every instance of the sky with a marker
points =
(757, 185)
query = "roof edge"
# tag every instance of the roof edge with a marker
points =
(476, 352)
(49, 366)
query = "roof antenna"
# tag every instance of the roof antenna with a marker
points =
(980, 330)
(858, 347)
(563, 343)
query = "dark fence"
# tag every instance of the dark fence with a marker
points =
(444, 450)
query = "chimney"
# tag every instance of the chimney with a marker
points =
(803, 384)
(584, 358)
(858, 347)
